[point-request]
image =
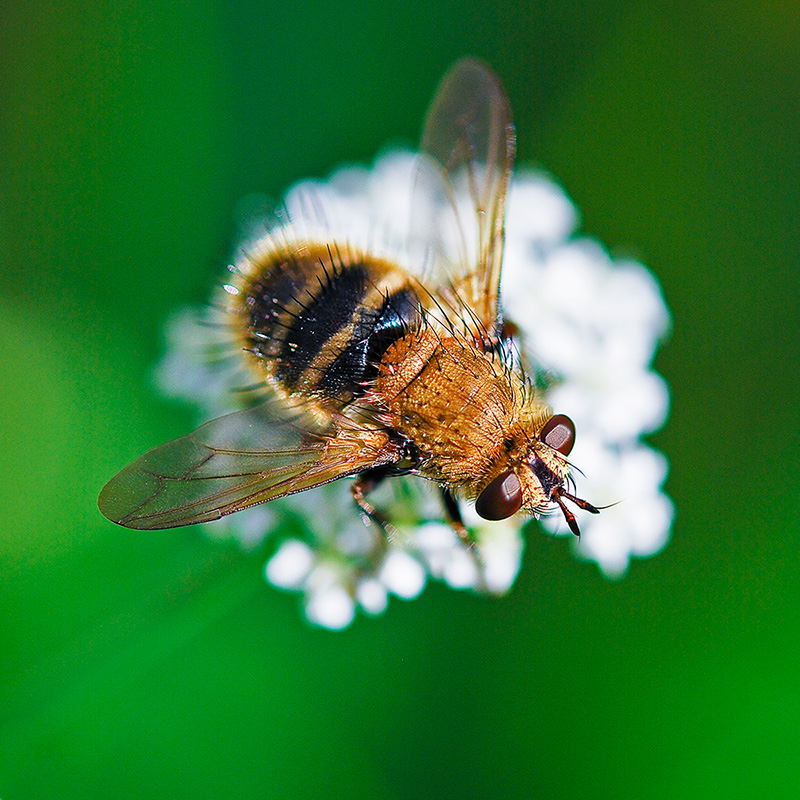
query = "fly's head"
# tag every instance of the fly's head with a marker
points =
(539, 479)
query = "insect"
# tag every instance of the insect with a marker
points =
(370, 370)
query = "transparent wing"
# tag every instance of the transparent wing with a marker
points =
(234, 462)
(467, 154)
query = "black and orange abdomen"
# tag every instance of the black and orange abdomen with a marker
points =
(317, 321)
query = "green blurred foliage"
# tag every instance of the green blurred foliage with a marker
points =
(161, 665)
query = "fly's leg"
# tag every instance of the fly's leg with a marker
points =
(407, 460)
(365, 483)
(453, 513)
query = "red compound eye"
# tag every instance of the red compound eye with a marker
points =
(501, 498)
(559, 433)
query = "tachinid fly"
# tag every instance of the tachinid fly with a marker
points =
(368, 368)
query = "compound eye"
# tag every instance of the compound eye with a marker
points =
(501, 498)
(559, 433)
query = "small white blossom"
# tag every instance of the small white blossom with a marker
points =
(291, 565)
(402, 574)
(328, 601)
(372, 596)
(589, 323)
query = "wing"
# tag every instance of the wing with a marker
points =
(234, 462)
(467, 154)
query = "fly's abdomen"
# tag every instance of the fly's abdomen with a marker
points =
(318, 320)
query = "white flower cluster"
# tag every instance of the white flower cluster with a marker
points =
(591, 324)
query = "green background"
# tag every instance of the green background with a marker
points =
(159, 664)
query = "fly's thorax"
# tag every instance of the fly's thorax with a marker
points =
(464, 409)
(314, 319)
